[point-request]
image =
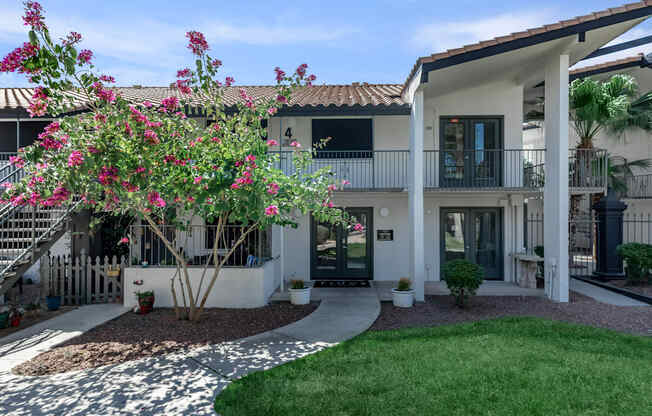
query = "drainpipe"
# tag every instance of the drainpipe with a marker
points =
(17, 133)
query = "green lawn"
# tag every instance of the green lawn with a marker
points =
(511, 366)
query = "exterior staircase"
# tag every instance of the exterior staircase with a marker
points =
(26, 232)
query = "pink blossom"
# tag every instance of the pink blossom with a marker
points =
(281, 99)
(295, 144)
(271, 142)
(184, 73)
(216, 140)
(100, 118)
(197, 180)
(15, 59)
(272, 188)
(332, 187)
(93, 150)
(197, 44)
(107, 78)
(235, 186)
(108, 175)
(346, 182)
(84, 56)
(106, 95)
(272, 110)
(170, 103)
(271, 210)
(190, 199)
(147, 104)
(33, 16)
(75, 159)
(228, 81)
(182, 85)
(280, 74)
(52, 127)
(250, 158)
(140, 169)
(216, 63)
(155, 199)
(37, 108)
(358, 227)
(301, 70)
(151, 137)
(72, 38)
(128, 130)
(124, 240)
(17, 161)
(39, 94)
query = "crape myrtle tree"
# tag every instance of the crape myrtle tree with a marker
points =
(154, 163)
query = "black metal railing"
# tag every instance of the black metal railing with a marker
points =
(639, 186)
(195, 243)
(454, 169)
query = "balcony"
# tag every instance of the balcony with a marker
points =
(516, 170)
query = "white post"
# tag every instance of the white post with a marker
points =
(282, 257)
(415, 197)
(556, 187)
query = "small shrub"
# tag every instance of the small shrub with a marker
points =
(297, 284)
(463, 278)
(538, 250)
(638, 258)
(404, 284)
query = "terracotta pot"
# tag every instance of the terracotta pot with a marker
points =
(146, 304)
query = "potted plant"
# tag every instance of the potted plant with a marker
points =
(4, 316)
(638, 261)
(299, 292)
(463, 278)
(145, 301)
(15, 315)
(403, 294)
(53, 301)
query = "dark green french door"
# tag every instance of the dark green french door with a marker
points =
(471, 152)
(474, 234)
(338, 253)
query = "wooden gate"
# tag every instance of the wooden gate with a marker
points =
(83, 281)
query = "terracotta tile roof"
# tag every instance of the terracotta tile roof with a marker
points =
(640, 59)
(524, 34)
(319, 95)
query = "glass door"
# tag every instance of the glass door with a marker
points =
(343, 254)
(474, 234)
(471, 152)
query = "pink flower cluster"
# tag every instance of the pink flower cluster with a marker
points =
(129, 187)
(106, 95)
(184, 73)
(33, 16)
(49, 142)
(271, 210)
(272, 188)
(170, 104)
(15, 59)
(72, 38)
(107, 78)
(246, 178)
(84, 56)
(228, 81)
(197, 44)
(182, 85)
(358, 227)
(155, 199)
(75, 159)
(280, 74)
(108, 175)
(151, 137)
(17, 161)
(59, 196)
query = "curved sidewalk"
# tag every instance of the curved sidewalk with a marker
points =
(186, 383)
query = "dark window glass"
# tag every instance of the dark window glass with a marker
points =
(30, 130)
(8, 136)
(349, 138)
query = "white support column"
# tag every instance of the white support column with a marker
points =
(415, 198)
(555, 201)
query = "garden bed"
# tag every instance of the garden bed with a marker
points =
(133, 336)
(643, 289)
(440, 310)
(27, 321)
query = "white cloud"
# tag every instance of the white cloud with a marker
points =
(265, 34)
(438, 36)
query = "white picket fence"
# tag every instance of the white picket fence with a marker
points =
(84, 281)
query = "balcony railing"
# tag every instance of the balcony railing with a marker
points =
(455, 170)
(639, 186)
(196, 243)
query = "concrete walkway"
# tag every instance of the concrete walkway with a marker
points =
(186, 383)
(603, 295)
(28, 343)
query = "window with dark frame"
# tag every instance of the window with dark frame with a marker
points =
(348, 138)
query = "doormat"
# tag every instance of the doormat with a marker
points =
(342, 283)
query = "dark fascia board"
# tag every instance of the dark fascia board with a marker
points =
(23, 115)
(620, 47)
(533, 40)
(642, 63)
(323, 110)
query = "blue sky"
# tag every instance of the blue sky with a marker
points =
(142, 41)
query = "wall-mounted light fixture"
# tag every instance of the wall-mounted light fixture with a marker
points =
(384, 212)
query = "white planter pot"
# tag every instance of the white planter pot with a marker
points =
(300, 296)
(403, 298)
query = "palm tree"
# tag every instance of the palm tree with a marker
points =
(619, 169)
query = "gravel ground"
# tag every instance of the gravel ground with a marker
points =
(440, 310)
(133, 336)
(642, 289)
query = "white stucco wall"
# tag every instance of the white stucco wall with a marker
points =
(234, 288)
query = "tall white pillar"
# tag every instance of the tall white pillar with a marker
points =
(555, 201)
(415, 197)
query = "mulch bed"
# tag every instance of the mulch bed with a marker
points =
(133, 336)
(440, 310)
(644, 289)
